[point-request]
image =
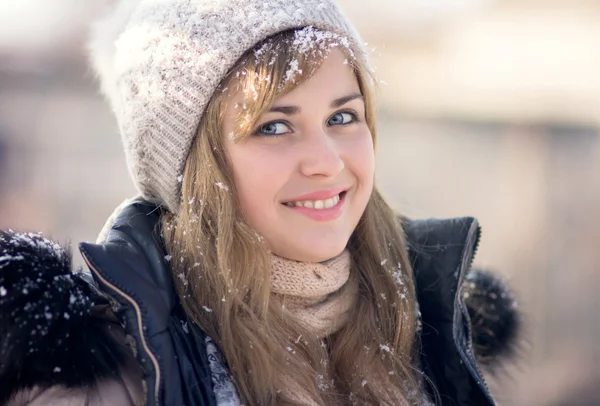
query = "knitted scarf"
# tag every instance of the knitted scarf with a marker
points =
(319, 296)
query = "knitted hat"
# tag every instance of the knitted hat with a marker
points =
(159, 62)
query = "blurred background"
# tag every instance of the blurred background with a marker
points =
(488, 108)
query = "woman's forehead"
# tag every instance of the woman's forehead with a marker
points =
(334, 70)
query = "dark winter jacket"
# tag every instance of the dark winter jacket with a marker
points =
(131, 269)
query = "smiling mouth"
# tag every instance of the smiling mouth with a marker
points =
(318, 204)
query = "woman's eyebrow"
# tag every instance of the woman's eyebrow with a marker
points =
(291, 110)
(287, 110)
(343, 100)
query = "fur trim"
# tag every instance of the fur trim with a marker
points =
(48, 334)
(101, 45)
(494, 316)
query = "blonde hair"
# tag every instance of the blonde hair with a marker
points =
(221, 267)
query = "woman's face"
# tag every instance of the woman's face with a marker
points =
(305, 175)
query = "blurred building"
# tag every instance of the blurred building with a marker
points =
(487, 108)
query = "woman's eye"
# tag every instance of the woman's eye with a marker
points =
(273, 129)
(342, 119)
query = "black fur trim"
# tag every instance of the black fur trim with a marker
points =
(48, 335)
(494, 316)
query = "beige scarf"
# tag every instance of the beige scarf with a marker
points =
(319, 296)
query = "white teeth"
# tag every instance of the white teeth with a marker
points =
(329, 203)
(317, 204)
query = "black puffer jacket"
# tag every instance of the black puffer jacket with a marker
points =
(130, 267)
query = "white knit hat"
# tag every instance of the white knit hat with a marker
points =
(159, 62)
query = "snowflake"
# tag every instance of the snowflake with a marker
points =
(222, 186)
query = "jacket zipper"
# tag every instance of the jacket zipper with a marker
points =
(138, 312)
(470, 254)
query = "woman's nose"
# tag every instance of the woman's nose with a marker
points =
(321, 156)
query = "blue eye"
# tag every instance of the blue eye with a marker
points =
(342, 118)
(273, 129)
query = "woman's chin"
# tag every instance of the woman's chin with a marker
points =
(312, 252)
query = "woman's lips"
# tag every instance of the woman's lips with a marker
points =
(319, 195)
(321, 212)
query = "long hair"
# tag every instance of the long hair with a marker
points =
(221, 266)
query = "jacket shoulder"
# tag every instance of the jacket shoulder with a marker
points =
(132, 257)
(440, 252)
(130, 265)
(431, 234)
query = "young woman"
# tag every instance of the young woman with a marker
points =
(261, 266)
